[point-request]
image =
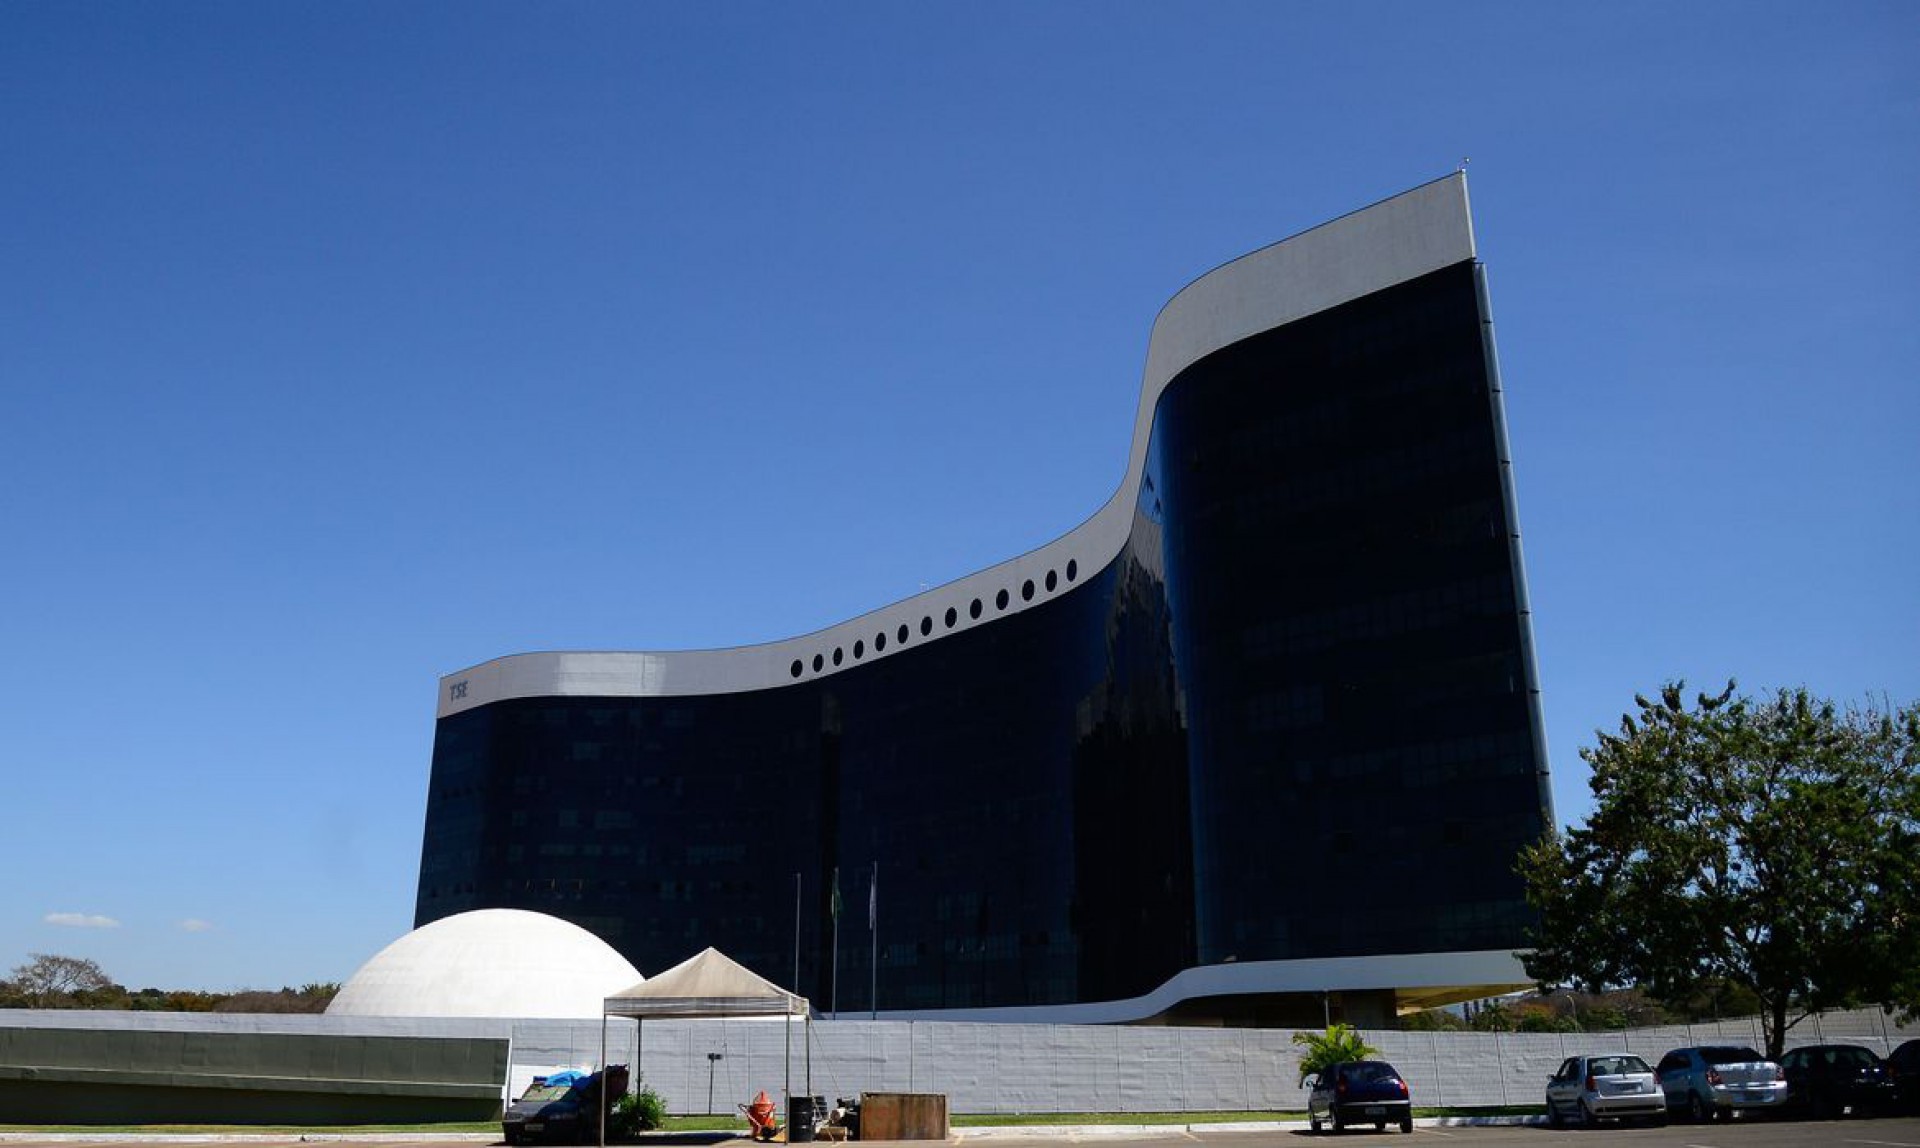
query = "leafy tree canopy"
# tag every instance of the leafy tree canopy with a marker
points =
(1338, 1045)
(1769, 845)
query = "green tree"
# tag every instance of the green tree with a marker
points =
(1494, 1016)
(1768, 845)
(1338, 1045)
(1543, 1020)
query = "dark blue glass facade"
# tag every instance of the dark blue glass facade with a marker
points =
(1303, 686)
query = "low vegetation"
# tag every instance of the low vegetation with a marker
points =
(1340, 1044)
(48, 980)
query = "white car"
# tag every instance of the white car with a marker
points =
(1617, 1086)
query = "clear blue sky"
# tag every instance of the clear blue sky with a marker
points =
(344, 345)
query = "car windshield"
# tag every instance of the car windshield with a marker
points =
(1370, 1072)
(1729, 1055)
(1851, 1057)
(1616, 1065)
(542, 1093)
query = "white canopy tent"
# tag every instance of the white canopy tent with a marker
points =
(707, 985)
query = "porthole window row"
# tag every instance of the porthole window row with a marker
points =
(1001, 600)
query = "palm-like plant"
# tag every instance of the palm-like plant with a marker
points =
(1339, 1044)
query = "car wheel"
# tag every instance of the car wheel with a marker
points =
(1697, 1110)
(1554, 1118)
(1339, 1124)
(1313, 1122)
(1406, 1124)
(1587, 1118)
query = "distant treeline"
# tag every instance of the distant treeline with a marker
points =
(50, 981)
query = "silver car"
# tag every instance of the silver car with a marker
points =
(1715, 1081)
(1616, 1086)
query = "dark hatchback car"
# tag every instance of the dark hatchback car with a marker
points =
(1359, 1092)
(1829, 1080)
(560, 1111)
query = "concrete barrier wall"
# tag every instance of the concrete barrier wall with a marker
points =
(98, 1075)
(1009, 1068)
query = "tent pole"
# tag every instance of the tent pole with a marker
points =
(786, 1045)
(604, 1077)
(809, 1032)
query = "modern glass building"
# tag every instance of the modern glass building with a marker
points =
(1256, 743)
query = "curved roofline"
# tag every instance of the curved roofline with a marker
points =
(1391, 242)
(1416, 976)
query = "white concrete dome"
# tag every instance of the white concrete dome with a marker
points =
(490, 962)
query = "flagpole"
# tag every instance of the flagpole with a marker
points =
(873, 929)
(795, 986)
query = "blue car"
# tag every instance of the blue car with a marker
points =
(1359, 1092)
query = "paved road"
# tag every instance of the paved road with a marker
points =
(1888, 1133)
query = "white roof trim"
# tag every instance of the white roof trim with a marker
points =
(1497, 970)
(1389, 243)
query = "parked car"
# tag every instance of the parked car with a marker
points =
(1829, 1080)
(560, 1109)
(1597, 1087)
(1716, 1081)
(1903, 1065)
(1359, 1092)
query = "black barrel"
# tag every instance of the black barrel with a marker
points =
(800, 1119)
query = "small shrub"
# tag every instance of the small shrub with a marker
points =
(1433, 1020)
(638, 1111)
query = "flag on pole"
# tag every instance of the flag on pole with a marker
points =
(834, 904)
(873, 897)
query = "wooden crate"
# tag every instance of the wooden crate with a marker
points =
(903, 1116)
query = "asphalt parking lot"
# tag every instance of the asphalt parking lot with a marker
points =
(1890, 1133)
(1883, 1133)
(1901, 1133)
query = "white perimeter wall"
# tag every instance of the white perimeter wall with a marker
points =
(1016, 1068)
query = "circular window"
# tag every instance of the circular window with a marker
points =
(794, 669)
(1026, 590)
(859, 650)
(952, 617)
(926, 626)
(836, 656)
(818, 661)
(900, 635)
(1000, 600)
(1052, 581)
(880, 641)
(974, 610)
(1073, 571)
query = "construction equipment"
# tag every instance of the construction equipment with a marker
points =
(759, 1114)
